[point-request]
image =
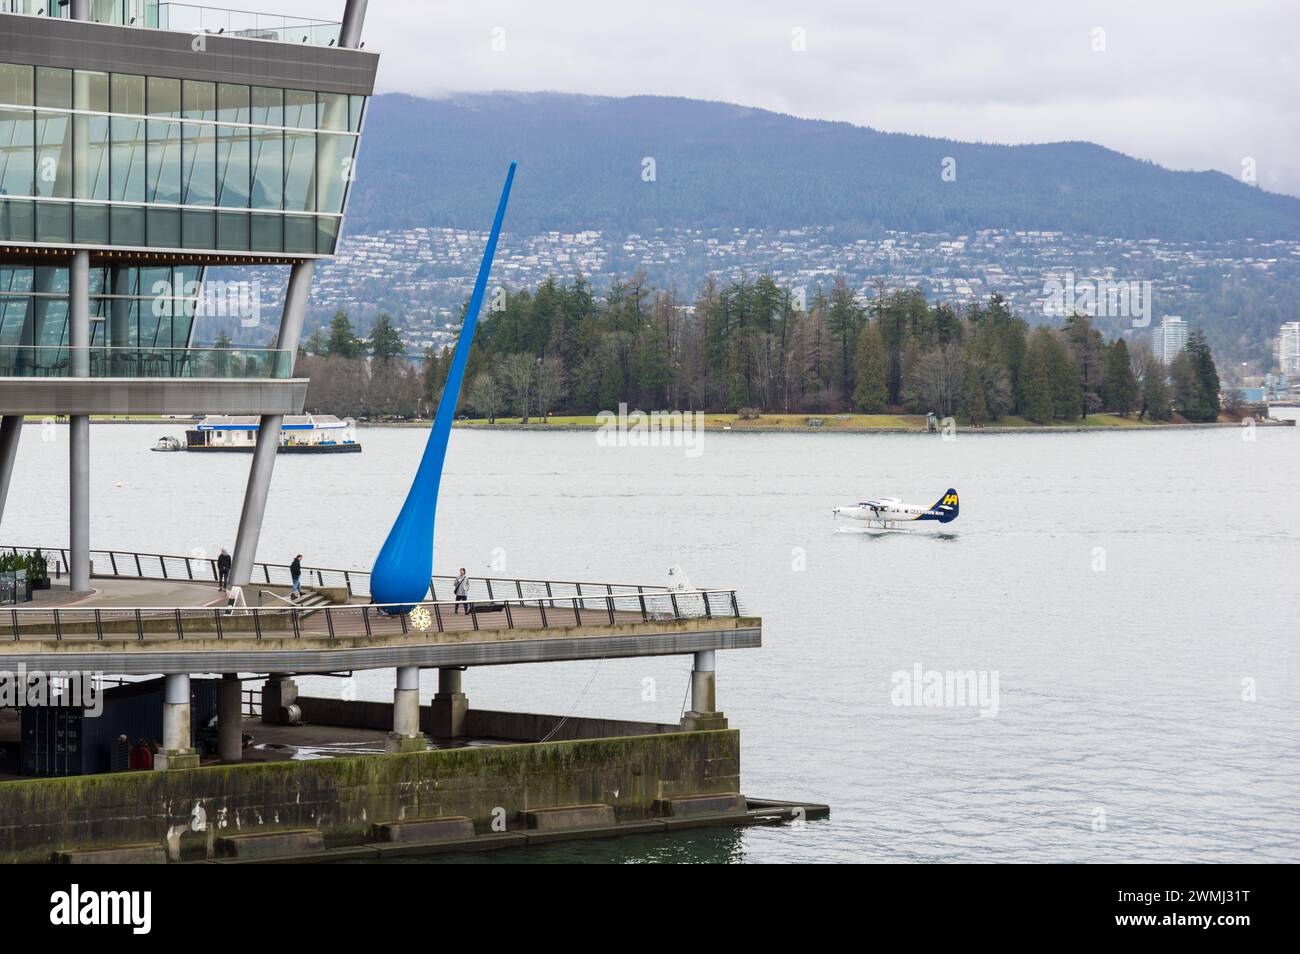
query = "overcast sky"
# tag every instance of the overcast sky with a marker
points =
(1191, 85)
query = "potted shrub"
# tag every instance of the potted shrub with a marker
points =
(38, 571)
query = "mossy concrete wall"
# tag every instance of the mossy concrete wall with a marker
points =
(186, 810)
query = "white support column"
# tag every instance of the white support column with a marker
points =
(704, 712)
(230, 718)
(268, 433)
(354, 15)
(11, 428)
(79, 426)
(177, 753)
(406, 735)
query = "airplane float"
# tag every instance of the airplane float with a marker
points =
(883, 515)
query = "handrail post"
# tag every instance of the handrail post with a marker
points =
(735, 607)
(99, 625)
(541, 608)
(58, 627)
(139, 626)
(708, 611)
(510, 623)
(609, 601)
(180, 625)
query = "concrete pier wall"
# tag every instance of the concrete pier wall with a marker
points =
(185, 810)
(480, 723)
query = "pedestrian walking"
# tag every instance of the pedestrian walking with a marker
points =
(295, 571)
(462, 591)
(223, 569)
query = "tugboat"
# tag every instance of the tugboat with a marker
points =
(168, 444)
(299, 434)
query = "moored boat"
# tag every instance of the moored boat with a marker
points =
(299, 434)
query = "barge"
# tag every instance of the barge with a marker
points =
(299, 434)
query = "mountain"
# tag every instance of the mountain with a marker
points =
(440, 162)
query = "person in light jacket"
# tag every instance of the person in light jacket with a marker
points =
(462, 590)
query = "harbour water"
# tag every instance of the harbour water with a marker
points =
(1133, 595)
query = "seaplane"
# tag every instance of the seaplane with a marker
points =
(885, 513)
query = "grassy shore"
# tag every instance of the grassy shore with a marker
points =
(851, 423)
(771, 423)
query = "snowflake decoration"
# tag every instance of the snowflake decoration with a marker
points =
(420, 618)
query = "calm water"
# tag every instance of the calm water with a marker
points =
(1122, 586)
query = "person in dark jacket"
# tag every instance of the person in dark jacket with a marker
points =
(223, 569)
(295, 571)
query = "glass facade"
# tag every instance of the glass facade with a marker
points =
(130, 307)
(127, 161)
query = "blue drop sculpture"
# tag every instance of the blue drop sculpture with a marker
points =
(404, 567)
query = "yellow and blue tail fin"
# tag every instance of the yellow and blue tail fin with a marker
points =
(944, 509)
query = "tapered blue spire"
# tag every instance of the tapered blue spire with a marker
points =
(405, 563)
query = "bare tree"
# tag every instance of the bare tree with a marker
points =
(549, 386)
(485, 396)
(518, 373)
(936, 380)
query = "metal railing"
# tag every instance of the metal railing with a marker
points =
(98, 361)
(203, 569)
(188, 18)
(369, 620)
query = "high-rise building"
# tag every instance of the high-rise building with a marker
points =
(1287, 348)
(141, 142)
(1169, 338)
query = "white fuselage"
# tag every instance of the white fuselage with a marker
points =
(885, 510)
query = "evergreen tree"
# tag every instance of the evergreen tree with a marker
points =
(316, 343)
(1206, 377)
(1120, 385)
(844, 321)
(385, 341)
(870, 392)
(342, 342)
(1038, 406)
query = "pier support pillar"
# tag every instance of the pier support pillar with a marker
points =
(79, 426)
(280, 700)
(704, 712)
(449, 706)
(406, 735)
(230, 718)
(268, 431)
(11, 428)
(177, 752)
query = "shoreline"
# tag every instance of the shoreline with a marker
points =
(733, 427)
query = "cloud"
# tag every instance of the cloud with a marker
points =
(1190, 85)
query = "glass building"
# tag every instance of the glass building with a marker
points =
(140, 143)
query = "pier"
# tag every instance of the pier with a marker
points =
(614, 776)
